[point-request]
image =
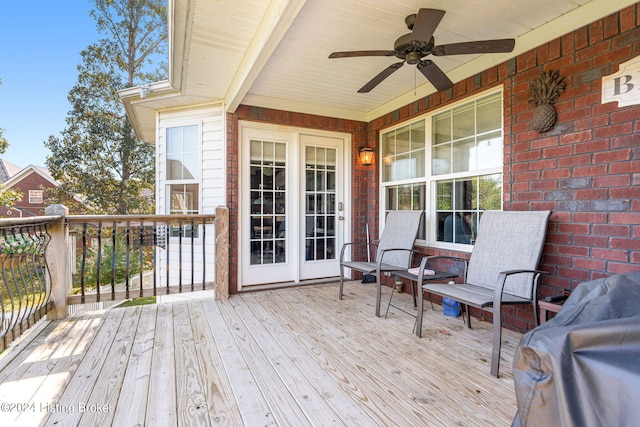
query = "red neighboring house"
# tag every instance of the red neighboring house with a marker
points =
(32, 182)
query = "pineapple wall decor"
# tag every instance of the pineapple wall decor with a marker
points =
(545, 89)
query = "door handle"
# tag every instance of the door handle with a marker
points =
(341, 218)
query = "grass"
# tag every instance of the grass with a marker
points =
(139, 301)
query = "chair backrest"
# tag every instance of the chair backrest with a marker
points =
(508, 240)
(400, 231)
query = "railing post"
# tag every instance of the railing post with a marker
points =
(58, 262)
(222, 252)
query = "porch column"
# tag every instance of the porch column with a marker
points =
(222, 252)
(57, 257)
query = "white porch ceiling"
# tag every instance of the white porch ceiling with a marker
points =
(275, 53)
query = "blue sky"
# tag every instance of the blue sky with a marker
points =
(40, 45)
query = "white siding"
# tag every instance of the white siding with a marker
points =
(211, 180)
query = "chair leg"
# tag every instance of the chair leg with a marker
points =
(413, 294)
(420, 311)
(378, 293)
(466, 309)
(389, 303)
(497, 340)
(341, 282)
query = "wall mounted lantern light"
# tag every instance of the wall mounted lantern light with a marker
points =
(366, 156)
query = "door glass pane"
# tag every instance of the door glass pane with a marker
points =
(320, 209)
(268, 209)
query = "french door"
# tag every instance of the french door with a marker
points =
(292, 210)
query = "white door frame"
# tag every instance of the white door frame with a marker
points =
(248, 130)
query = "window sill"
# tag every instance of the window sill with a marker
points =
(445, 246)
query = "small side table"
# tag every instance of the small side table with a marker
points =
(546, 307)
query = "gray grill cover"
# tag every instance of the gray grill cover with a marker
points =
(582, 368)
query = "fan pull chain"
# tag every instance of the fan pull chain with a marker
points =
(415, 80)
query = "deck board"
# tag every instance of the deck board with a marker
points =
(294, 356)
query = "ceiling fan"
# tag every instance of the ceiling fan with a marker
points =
(419, 43)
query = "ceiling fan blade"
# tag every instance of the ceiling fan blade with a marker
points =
(380, 77)
(362, 53)
(425, 25)
(435, 75)
(481, 46)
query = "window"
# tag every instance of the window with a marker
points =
(36, 197)
(454, 153)
(183, 171)
(403, 169)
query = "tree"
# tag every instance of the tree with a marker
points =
(98, 156)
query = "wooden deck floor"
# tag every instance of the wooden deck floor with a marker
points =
(289, 357)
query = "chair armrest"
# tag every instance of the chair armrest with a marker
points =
(380, 256)
(502, 278)
(344, 246)
(426, 260)
(450, 257)
(518, 271)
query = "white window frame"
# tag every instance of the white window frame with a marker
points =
(192, 181)
(431, 180)
(39, 199)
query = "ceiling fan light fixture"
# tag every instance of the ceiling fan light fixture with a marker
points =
(413, 57)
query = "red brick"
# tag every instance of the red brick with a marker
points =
(589, 264)
(627, 19)
(595, 32)
(528, 156)
(591, 194)
(575, 114)
(621, 268)
(544, 185)
(542, 164)
(557, 151)
(556, 173)
(613, 56)
(611, 26)
(610, 254)
(573, 251)
(589, 171)
(574, 273)
(612, 181)
(630, 244)
(625, 115)
(613, 130)
(612, 156)
(623, 193)
(574, 161)
(591, 122)
(591, 241)
(590, 217)
(626, 141)
(611, 230)
(574, 228)
(572, 138)
(624, 218)
(542, 206)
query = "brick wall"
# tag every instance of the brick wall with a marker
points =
(586, 169)
(32, 181)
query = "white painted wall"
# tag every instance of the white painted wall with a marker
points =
(212, 182)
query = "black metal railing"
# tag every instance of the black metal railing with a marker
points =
(122, 257)
(24, 285)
